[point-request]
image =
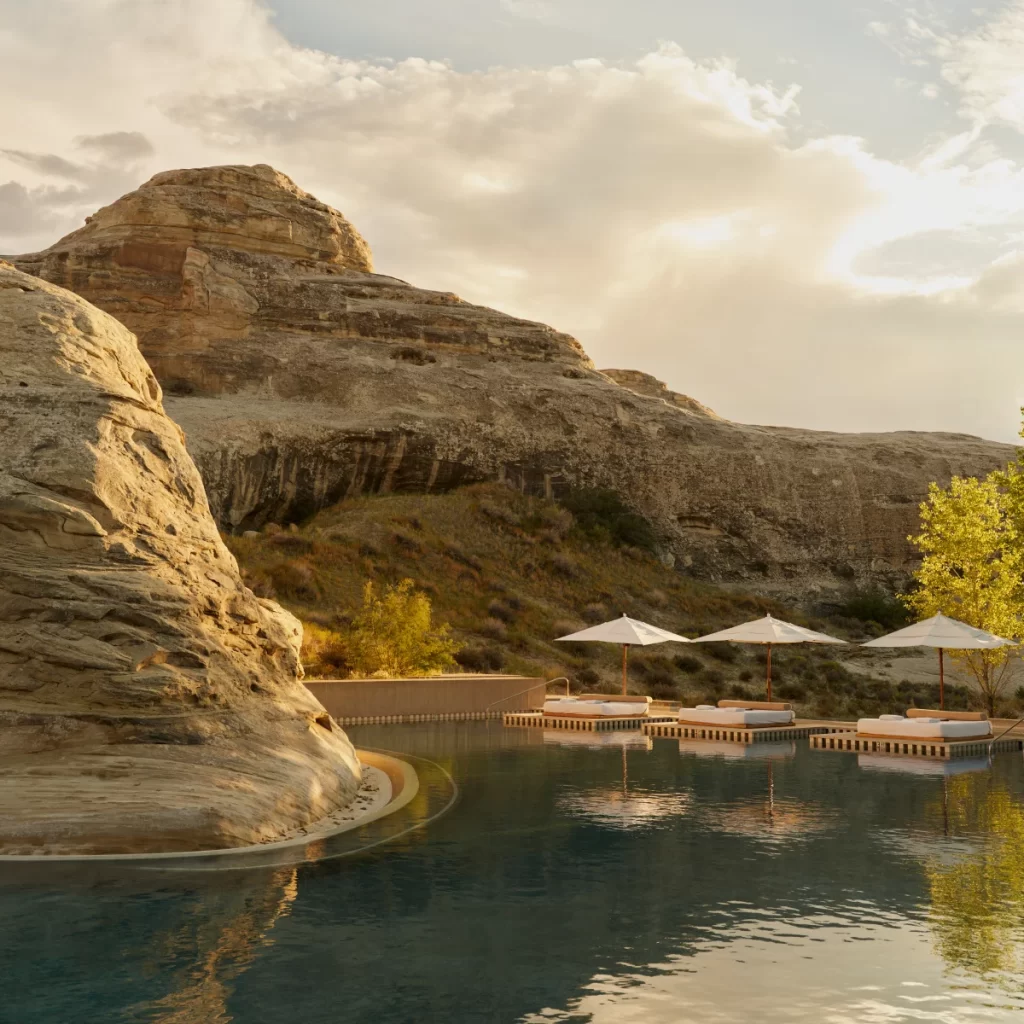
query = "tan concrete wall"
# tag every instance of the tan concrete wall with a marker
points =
(437, 695)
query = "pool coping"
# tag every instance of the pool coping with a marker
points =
(405, 785)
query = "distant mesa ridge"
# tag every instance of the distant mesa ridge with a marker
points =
(301, 377)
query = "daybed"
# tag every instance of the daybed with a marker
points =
(739, 714)
(597, 705)
(921, 724)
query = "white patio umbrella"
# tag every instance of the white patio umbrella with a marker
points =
(625, 631)
(941, 632)
(769, 631)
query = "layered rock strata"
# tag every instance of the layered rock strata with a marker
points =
(301, 377)
(148, 700)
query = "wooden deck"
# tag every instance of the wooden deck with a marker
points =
(799, 730)
(538, 720)
(932, 749)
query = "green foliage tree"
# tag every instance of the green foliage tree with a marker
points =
(392, 635)
(972, 569)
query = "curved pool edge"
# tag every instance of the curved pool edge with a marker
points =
(401, 774)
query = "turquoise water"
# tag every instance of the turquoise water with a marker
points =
(566, 884)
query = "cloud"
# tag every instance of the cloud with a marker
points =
(659, 209)
(534, 10)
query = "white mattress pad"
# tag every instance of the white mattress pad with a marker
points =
(922, 728)
(734, 717)
(593, 708)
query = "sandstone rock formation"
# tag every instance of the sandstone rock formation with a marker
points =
(300, 377)
(148, 700)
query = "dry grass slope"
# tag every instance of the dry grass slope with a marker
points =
(511, 572)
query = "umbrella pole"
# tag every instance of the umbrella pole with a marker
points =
(769, 678)
(942, 695)
(625, 648)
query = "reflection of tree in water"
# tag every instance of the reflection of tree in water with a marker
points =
(218, 950)
(977, 912)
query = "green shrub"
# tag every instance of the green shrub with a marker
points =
(687, 663)
(876, 606)
(602, 515)
(722, 652)
(392, 635)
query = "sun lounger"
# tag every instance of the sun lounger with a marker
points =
(739, 714)
(921, 724)
(597, 705)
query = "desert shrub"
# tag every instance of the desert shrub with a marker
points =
(367, 549)
(738, 692)
(722, 652)
(499, 513)
(458, 554)
(393, 635)
(295, 580)
(746, 675)
(501, 610)
(324, 652)
(514, 603)
(658, 598)
(663, 689)
(790, 691)
(406, 542)
(292, 542)
(595, 613)
(602, 515)
(588, 677)
(494, 629)
(876, 606)
(714, 677)
(480, 659)
(563, 566)
(413, 354)
(687, 663)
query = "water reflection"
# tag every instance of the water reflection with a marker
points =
(567, 884)
(978, 898)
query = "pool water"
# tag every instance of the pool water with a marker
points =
(643, 883)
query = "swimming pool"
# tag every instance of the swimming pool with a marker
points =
(704, 884)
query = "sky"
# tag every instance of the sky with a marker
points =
(807, 213)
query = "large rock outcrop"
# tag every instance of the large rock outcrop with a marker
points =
(148, 700)
(300, 377)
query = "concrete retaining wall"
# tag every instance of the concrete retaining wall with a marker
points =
(439, 697)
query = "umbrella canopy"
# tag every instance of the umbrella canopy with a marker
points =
(769, 631)
(625, 631)
(942, 632)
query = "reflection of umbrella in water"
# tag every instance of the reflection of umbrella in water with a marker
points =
(768, 631)
(945, 634)
(770, 819)
(626, 631)
(614, 808)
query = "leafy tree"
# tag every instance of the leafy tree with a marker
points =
(973, 561)
(392, 635)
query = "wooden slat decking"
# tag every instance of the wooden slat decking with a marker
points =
(932, 749)
(538, 720)
(672, 729)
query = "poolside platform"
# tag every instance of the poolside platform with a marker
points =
(538, 720)
(674, 730)
(933, 749)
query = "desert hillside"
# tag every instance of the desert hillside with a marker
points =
(303, 378)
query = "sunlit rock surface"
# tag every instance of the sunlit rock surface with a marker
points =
(148, 700)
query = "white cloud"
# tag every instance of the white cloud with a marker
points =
(659, 209)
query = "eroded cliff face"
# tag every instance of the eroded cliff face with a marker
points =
(300, 377)
(148, 700)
